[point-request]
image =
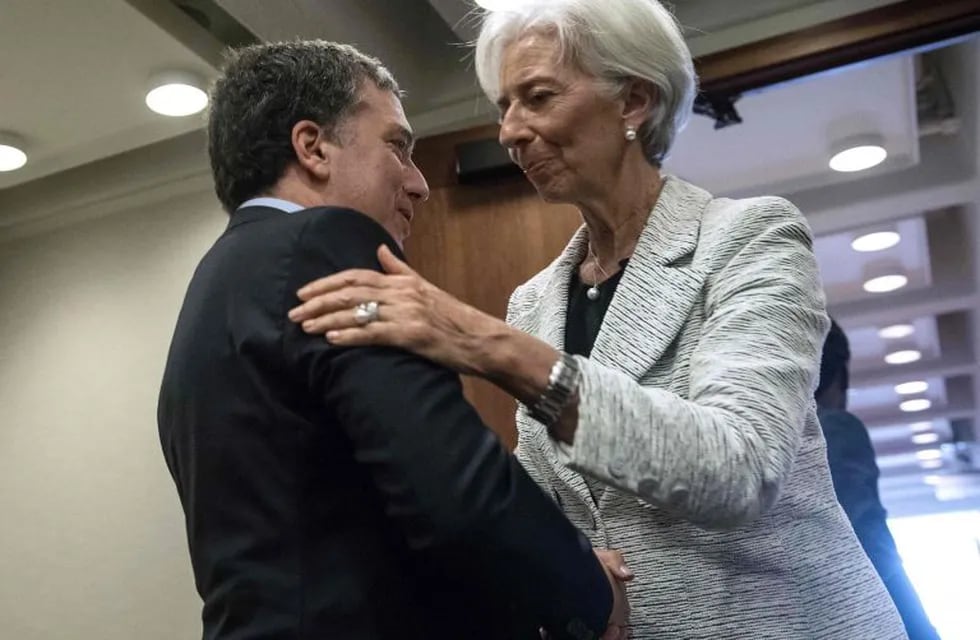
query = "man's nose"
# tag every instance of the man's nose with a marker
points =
(415, 185)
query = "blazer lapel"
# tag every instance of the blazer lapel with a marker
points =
(652, 300)
(551, 311)
(546, 321)
(660, 285)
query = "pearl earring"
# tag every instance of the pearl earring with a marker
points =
(631, 133)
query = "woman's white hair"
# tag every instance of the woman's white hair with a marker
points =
(615, 41)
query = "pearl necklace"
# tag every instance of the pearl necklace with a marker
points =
(593, 292)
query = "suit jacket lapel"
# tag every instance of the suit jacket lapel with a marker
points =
(660, 285)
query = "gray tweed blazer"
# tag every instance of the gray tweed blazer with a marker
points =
(698, 452)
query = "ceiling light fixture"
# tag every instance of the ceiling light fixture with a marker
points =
(858, 154)
(929, 454)
(12, 155)
(176, 94)
(920, 426)
(886, 284)
(903, 357)
(931, 464)
(909, 388)
(877, 241)
(896, 332)
(932, 480)
(925, 438)
(915, 405)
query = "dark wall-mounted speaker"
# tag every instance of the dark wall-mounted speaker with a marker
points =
(482, 160)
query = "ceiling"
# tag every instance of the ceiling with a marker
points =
(82, 92)
(91, 140)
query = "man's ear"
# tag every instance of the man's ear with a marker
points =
(639, 100)
(312, 149)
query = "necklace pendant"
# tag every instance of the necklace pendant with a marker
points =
(592, 293)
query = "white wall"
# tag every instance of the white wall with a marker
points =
(92, 545)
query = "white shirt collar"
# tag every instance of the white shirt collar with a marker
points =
(274, 203)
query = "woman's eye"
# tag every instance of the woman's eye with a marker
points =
(539, 97)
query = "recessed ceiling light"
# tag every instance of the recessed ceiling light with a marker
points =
(929, 454)
(931, 464)
(903, 357)
(921, 426)
(908, 388)
(925, 438)
(877, 241)
(885, 284)
(917, 404)
(176, 95)
(12, 156)
(932, 480)
(896, 331)
(858, 157)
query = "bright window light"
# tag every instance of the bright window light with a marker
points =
(903, 357)
(886, 284)
(896, 332)
(878, 241)
(912, 387)
(940, 556)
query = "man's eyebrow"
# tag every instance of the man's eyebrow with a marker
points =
(406, 134)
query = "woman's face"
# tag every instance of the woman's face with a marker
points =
(563, 133)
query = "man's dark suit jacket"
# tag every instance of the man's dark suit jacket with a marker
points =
(347, 493)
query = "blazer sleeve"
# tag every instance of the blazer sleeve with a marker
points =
(447, 482)
(719, 457)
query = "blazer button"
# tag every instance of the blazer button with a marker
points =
(678, 495)
(648, 488)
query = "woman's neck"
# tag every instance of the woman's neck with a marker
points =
(616, 217)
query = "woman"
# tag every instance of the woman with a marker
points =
(665, 361)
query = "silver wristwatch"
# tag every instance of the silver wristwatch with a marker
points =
(562, 385)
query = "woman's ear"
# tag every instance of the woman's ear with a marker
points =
(639, 100)
(312, 148)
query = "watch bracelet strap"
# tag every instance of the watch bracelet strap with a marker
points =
(562, 384)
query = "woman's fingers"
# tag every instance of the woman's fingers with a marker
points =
(327, 303)
(391, 264)
(360, 278)
(348, 278)
(614, 561)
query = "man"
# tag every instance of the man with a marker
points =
(335, 493)
(855, 476)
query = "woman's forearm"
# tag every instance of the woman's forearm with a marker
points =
(521, 364)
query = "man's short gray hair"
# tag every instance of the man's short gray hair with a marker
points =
(614, 41)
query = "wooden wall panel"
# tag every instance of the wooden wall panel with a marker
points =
(478, 242)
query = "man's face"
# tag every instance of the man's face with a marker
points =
(372, 169)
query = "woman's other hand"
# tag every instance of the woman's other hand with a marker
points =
(619, 574)
(412, 314)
